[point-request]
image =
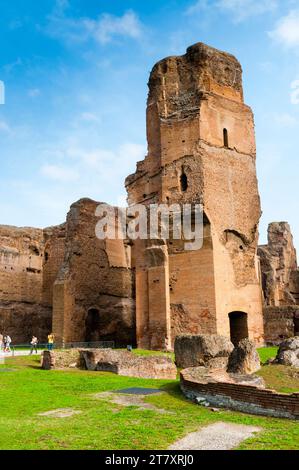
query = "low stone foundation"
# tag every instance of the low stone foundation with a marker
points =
(111, 360)
(127, 364)
(69, 358)
(238, 392)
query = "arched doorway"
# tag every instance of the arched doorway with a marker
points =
(238, 327)
(92, 324)
(296, 324)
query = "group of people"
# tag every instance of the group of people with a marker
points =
(34, 343)
(5, 342)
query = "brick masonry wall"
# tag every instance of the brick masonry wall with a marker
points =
(246, 398)
(279, 323)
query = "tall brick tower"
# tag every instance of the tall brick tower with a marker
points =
(201, 149)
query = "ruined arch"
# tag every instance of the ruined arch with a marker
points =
(238, 322)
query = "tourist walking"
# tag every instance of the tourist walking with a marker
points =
(7, 343)
(1, 342)
(50, 341)
(34, 343)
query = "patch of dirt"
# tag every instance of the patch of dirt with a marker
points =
(129, 400)
(217, 436)
(60, 413)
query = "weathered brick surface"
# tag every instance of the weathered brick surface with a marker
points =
(51, 279)
(25, 294)
(280, 274)
(93, 292)
(192, 100)
(280, 323)
(128, 364)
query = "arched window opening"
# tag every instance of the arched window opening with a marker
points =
(225, 138)
(92, 325)
(184, 181)
(238, 327)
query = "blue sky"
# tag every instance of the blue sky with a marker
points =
(75, 75)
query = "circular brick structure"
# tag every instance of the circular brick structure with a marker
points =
(246, 393)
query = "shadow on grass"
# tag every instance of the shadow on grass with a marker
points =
(173, 389)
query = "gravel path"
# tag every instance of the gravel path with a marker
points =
(129, 400)
(218, 436)
(17, 353)
(60, 413)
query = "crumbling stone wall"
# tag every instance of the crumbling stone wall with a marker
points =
(280, 323)
(201, 149)
(280, 282)
(93, 292)
(64, 278)
(54, 250)
(22, 310)
(280, 275)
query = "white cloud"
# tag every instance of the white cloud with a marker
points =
(75, 163)
(108, 26)
(240, 9)
(267, 66)
(125, 156)
(34, 92)
(61, 6)
(4, 127)
(295, 92)
(8, 68)
(59, 173)
(286, 31)
(197, 7)
(102, 30)
(285, 120)
(90, 117)
(2, 92)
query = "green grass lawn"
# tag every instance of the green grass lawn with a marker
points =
(281, 378)
(27, 391)
(267, 353)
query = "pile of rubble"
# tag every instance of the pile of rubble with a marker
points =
(288, 353)
(216, 352)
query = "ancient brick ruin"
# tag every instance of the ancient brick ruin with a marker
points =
(201, 150)
(280, 283)
(67, 280)
(27, 275)
(94, 290)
